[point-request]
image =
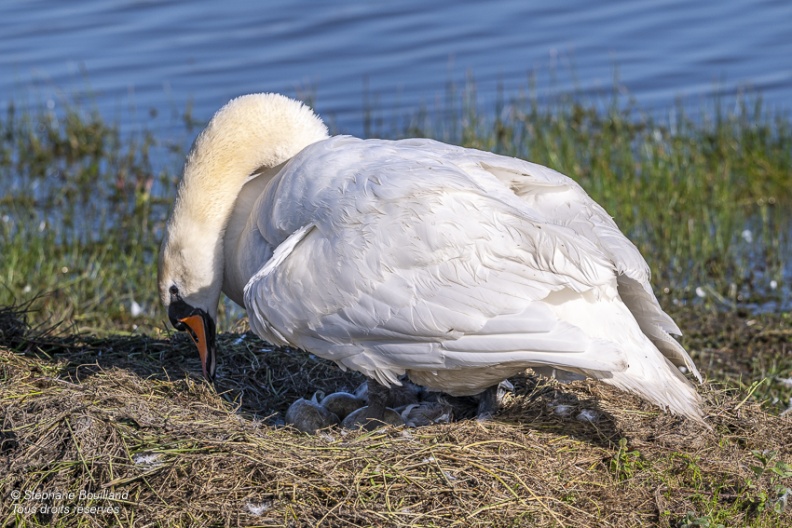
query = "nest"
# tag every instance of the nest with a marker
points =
(123, 431)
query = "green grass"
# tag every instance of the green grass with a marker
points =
(77, 218)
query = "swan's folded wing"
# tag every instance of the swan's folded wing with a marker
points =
(561, 201)
(414, 273)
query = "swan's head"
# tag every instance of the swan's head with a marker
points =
(190, 296)
(246, 137)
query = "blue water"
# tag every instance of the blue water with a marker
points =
(142, 63)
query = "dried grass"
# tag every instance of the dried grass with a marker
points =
(130, 416)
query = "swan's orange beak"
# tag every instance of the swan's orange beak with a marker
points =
(202, 332)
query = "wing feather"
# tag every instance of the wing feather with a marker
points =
(405, 272)
(562, 201)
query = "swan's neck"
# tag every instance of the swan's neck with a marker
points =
(250, 134)
(241, 259)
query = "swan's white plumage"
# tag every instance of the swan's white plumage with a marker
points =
(456, 266)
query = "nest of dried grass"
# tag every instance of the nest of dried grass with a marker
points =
(128, 423)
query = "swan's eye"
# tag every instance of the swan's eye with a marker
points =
(174, 291)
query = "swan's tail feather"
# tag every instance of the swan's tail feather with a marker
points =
(650, 359)
(657, 380)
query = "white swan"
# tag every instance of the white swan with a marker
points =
(455, 266)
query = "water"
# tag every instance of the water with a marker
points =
(143, 62)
